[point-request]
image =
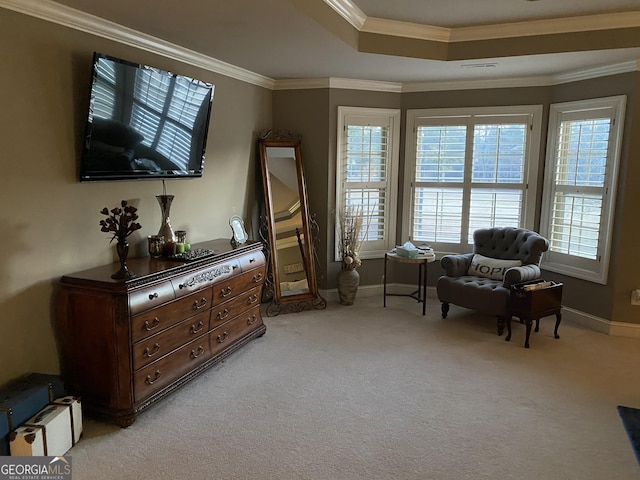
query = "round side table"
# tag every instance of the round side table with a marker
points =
(421, 293)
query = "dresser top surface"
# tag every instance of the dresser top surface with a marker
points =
(147, 269)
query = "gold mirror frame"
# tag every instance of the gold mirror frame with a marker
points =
(288, 229)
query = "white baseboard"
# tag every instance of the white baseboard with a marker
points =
(571, 315)
(616, 329)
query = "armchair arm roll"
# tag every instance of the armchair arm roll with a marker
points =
(521, 274)
(456, 265)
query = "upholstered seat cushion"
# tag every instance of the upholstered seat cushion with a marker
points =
(482, 294)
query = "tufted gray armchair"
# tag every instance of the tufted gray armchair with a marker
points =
(487, 295)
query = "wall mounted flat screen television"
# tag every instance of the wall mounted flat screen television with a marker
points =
(144, 123)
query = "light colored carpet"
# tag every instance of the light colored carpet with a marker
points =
(363, 392)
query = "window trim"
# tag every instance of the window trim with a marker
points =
(392, 116)
(565, 263)
(532, 161)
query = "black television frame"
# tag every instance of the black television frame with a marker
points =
(195, 166)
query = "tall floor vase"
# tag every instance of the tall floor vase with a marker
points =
(348, 282)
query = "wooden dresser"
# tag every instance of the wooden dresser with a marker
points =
(124, 345)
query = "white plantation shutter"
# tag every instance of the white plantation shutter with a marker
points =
(497, 174)
(440, 160)
(438, 214)
(495, 208)
(584, 144)
(365, 175)
(469, 169)
(367, 160)
(580, 162)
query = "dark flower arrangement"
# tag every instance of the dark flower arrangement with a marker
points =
(121, 221)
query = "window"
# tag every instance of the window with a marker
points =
(367, 173)
(469, 169)
(583, 151)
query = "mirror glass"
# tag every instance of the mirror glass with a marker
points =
(292, 259)
(287, 220)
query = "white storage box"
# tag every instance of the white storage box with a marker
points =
(27, 441)
(56, 423)
(76, 415)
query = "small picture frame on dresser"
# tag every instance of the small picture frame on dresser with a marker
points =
(237, 227)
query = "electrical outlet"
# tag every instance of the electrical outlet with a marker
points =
(635, 297)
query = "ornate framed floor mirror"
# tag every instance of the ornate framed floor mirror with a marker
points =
(288, 230)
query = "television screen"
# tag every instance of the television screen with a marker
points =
(144, 123)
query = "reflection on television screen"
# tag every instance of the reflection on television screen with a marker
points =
(144, 123)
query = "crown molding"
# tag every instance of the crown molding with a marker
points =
(75, 19)
(602, 71)
(532, 81)
(394, 87)
(349, 11)
(341, 83)
(382, 26)
(554, 26)
(414, 87)
(517, 82)
(370, 85)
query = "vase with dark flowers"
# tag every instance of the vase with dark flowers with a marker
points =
(121, 222)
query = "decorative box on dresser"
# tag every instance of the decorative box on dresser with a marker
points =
(126, 344)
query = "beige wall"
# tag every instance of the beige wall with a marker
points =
(317, 120)
(51, 219)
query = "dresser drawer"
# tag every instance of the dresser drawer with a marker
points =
(156, 346)
(252, 260)
(188, 283)
(146, 298)
(165, 370)
(158, 319)
(227, 333)
(227, 289)
(226, 311)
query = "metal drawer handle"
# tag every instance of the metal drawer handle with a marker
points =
(251, 320)
(222, 338)
(195, 354)
(149, 381)
(235, 266)
(148, 353)
(252, 299)
(251, 260)
(196, 328)
(202, 304)
(153, 295)
(223, 314)
(150, 326)
(225, 292)
(257, 278)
